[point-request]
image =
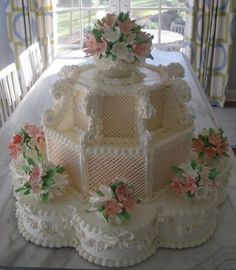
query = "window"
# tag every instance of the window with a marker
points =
(162, 18)
(73, 18)
(159, 18)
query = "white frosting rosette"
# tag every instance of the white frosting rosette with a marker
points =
(68, 71)
(203, 193)
(49, 118)
(58, 90)
(175, 70)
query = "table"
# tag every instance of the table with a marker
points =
(169, 39)
(218, 253)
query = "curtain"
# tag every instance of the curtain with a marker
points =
(30, 21)
(210, 26)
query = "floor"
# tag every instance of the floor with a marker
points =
(227, 119)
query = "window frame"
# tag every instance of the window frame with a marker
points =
(125, 3)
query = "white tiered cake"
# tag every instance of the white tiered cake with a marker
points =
(135, 127)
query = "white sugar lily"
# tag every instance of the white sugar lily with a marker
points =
(203, 193)
(111, 35)
(98, 200)
(120, 50)
(188, 170)
(131, 38)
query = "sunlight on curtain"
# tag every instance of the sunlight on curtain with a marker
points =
(210, 26)
(30, 21)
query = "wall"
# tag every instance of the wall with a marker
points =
(6, 56)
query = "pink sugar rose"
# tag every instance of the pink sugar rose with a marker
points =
(14, 150)
(31, 130)
(109, 20)
(121, 191)
(141, 36)
(210, 152)
(35, 132)
(221, 148)
(177, 185)
(36, 174)
(42, 144)
(92, 47)
(142, 49)
(126, 27)
(129, 202)
(190, 185)
(198, 145)
(112, 208)
(215, 139)
(17, 139)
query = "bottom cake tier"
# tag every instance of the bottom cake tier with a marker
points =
(170, 222)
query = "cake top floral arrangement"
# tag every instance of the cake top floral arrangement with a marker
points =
(210, 144)
(194, 180)
(113, 202)
(34, 175)
(119, 38)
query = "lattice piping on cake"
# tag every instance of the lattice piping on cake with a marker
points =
(186, 132)
(59, 151)
(165, 156)
(57, 135)
(106, 167)
(100, 150)
(119, 117)
(158, 99)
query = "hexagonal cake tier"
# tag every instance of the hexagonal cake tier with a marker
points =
(137, 127)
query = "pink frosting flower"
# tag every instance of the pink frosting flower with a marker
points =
(198, 145)
(126, 27)
(142, 49)
(109, 20)
(215, 139)
(31, 130)
(181, 185)
(14, 150)
(36, 178)
(92, 47)
(112, 208)
(121, 191)
(42, 144)
(36, 174)
(210, 152)
(142, 36)
(221, 148)
(17, 139)
(129, 202)
(177, 185)
(190, 185)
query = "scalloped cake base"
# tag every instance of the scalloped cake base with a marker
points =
(170, 222)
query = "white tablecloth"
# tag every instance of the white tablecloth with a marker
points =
(219, 251)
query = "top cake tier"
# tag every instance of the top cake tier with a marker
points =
(140, 80)
(106, 109)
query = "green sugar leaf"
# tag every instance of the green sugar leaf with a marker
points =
(45, 197)
(177, 170)
(31, 161)
(60, 169)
